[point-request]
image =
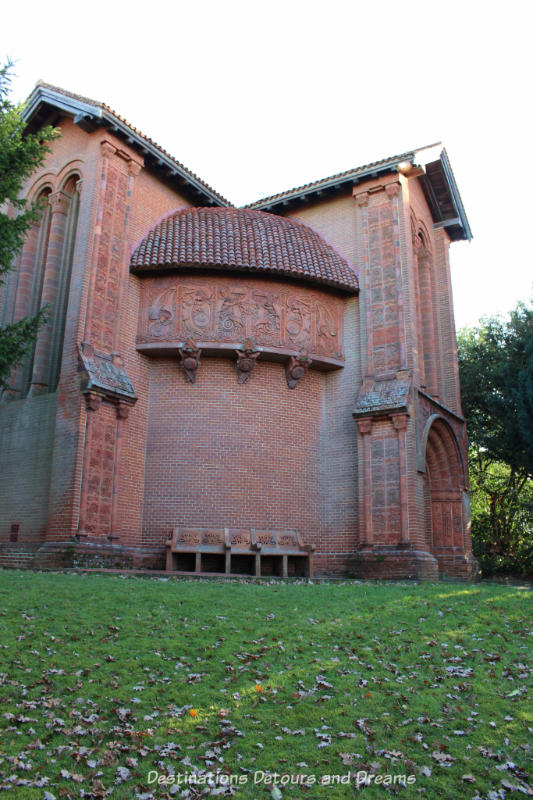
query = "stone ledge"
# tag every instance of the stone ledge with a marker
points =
(396, 563)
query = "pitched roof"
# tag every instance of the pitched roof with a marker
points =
(437, 181)
(436, 178)
(349, 175)
(89, 114)
(243, 239)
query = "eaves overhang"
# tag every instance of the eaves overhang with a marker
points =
(443, 197)
(430, 165)
(45, 100)
(312, 192)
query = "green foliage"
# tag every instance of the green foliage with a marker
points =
(106, 678)
(495, 362)
(496, 366)
(501, 507)
(20, 155)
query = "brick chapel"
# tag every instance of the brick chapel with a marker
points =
(290, 366)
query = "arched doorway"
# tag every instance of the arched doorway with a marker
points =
(445, 495)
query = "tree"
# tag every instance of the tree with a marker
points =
(20, 155)
(496, 366)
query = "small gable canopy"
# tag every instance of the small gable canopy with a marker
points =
(243, 239)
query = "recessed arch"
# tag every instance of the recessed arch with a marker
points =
(444, 489)
(30, 274)
(423, 234)
(426, 312)
(443, 424)
(47, 258)
(69, 184)
(72, 169)
(45, 183)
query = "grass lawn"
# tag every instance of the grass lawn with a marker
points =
(109, 681)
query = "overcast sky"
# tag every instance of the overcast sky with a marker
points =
(258, 97)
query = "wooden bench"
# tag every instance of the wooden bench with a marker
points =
(239, 551)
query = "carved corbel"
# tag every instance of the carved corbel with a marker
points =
(190, 360)
(392, 189)
(93, 401)
(134, 168)
(400, 422)
(364, 426)
(296, 368)
(246, 360)
(123, 410)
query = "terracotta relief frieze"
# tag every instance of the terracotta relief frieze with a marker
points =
(231, 313)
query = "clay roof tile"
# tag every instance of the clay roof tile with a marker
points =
(242, 239)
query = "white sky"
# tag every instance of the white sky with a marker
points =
(258, 96)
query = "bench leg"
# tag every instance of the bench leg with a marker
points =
(310, 567)
(258, 565)
(228, 562)
(285, 566)
(170, 560)
(198, 563)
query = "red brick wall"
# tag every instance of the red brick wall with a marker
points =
(224, 454)
(219, 453)
(51, 471)
(334, 219)
(52, 427)
(26, 445)
(150, 200)
(340, 505)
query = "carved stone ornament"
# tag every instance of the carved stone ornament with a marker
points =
(296, 368)
(228, 312)
(246, 360)
(190, 360)
(105, 375)
(93, 401)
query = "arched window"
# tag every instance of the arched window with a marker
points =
(71, 190)
(54, 287)
(30, 281)
(426, 314)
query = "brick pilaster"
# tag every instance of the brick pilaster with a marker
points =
(364, 427)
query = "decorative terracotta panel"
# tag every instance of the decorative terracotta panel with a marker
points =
(227, 312)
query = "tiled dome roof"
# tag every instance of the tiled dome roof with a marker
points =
(242, 239)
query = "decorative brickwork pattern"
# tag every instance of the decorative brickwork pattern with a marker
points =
(380, 225)
(110, 234)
